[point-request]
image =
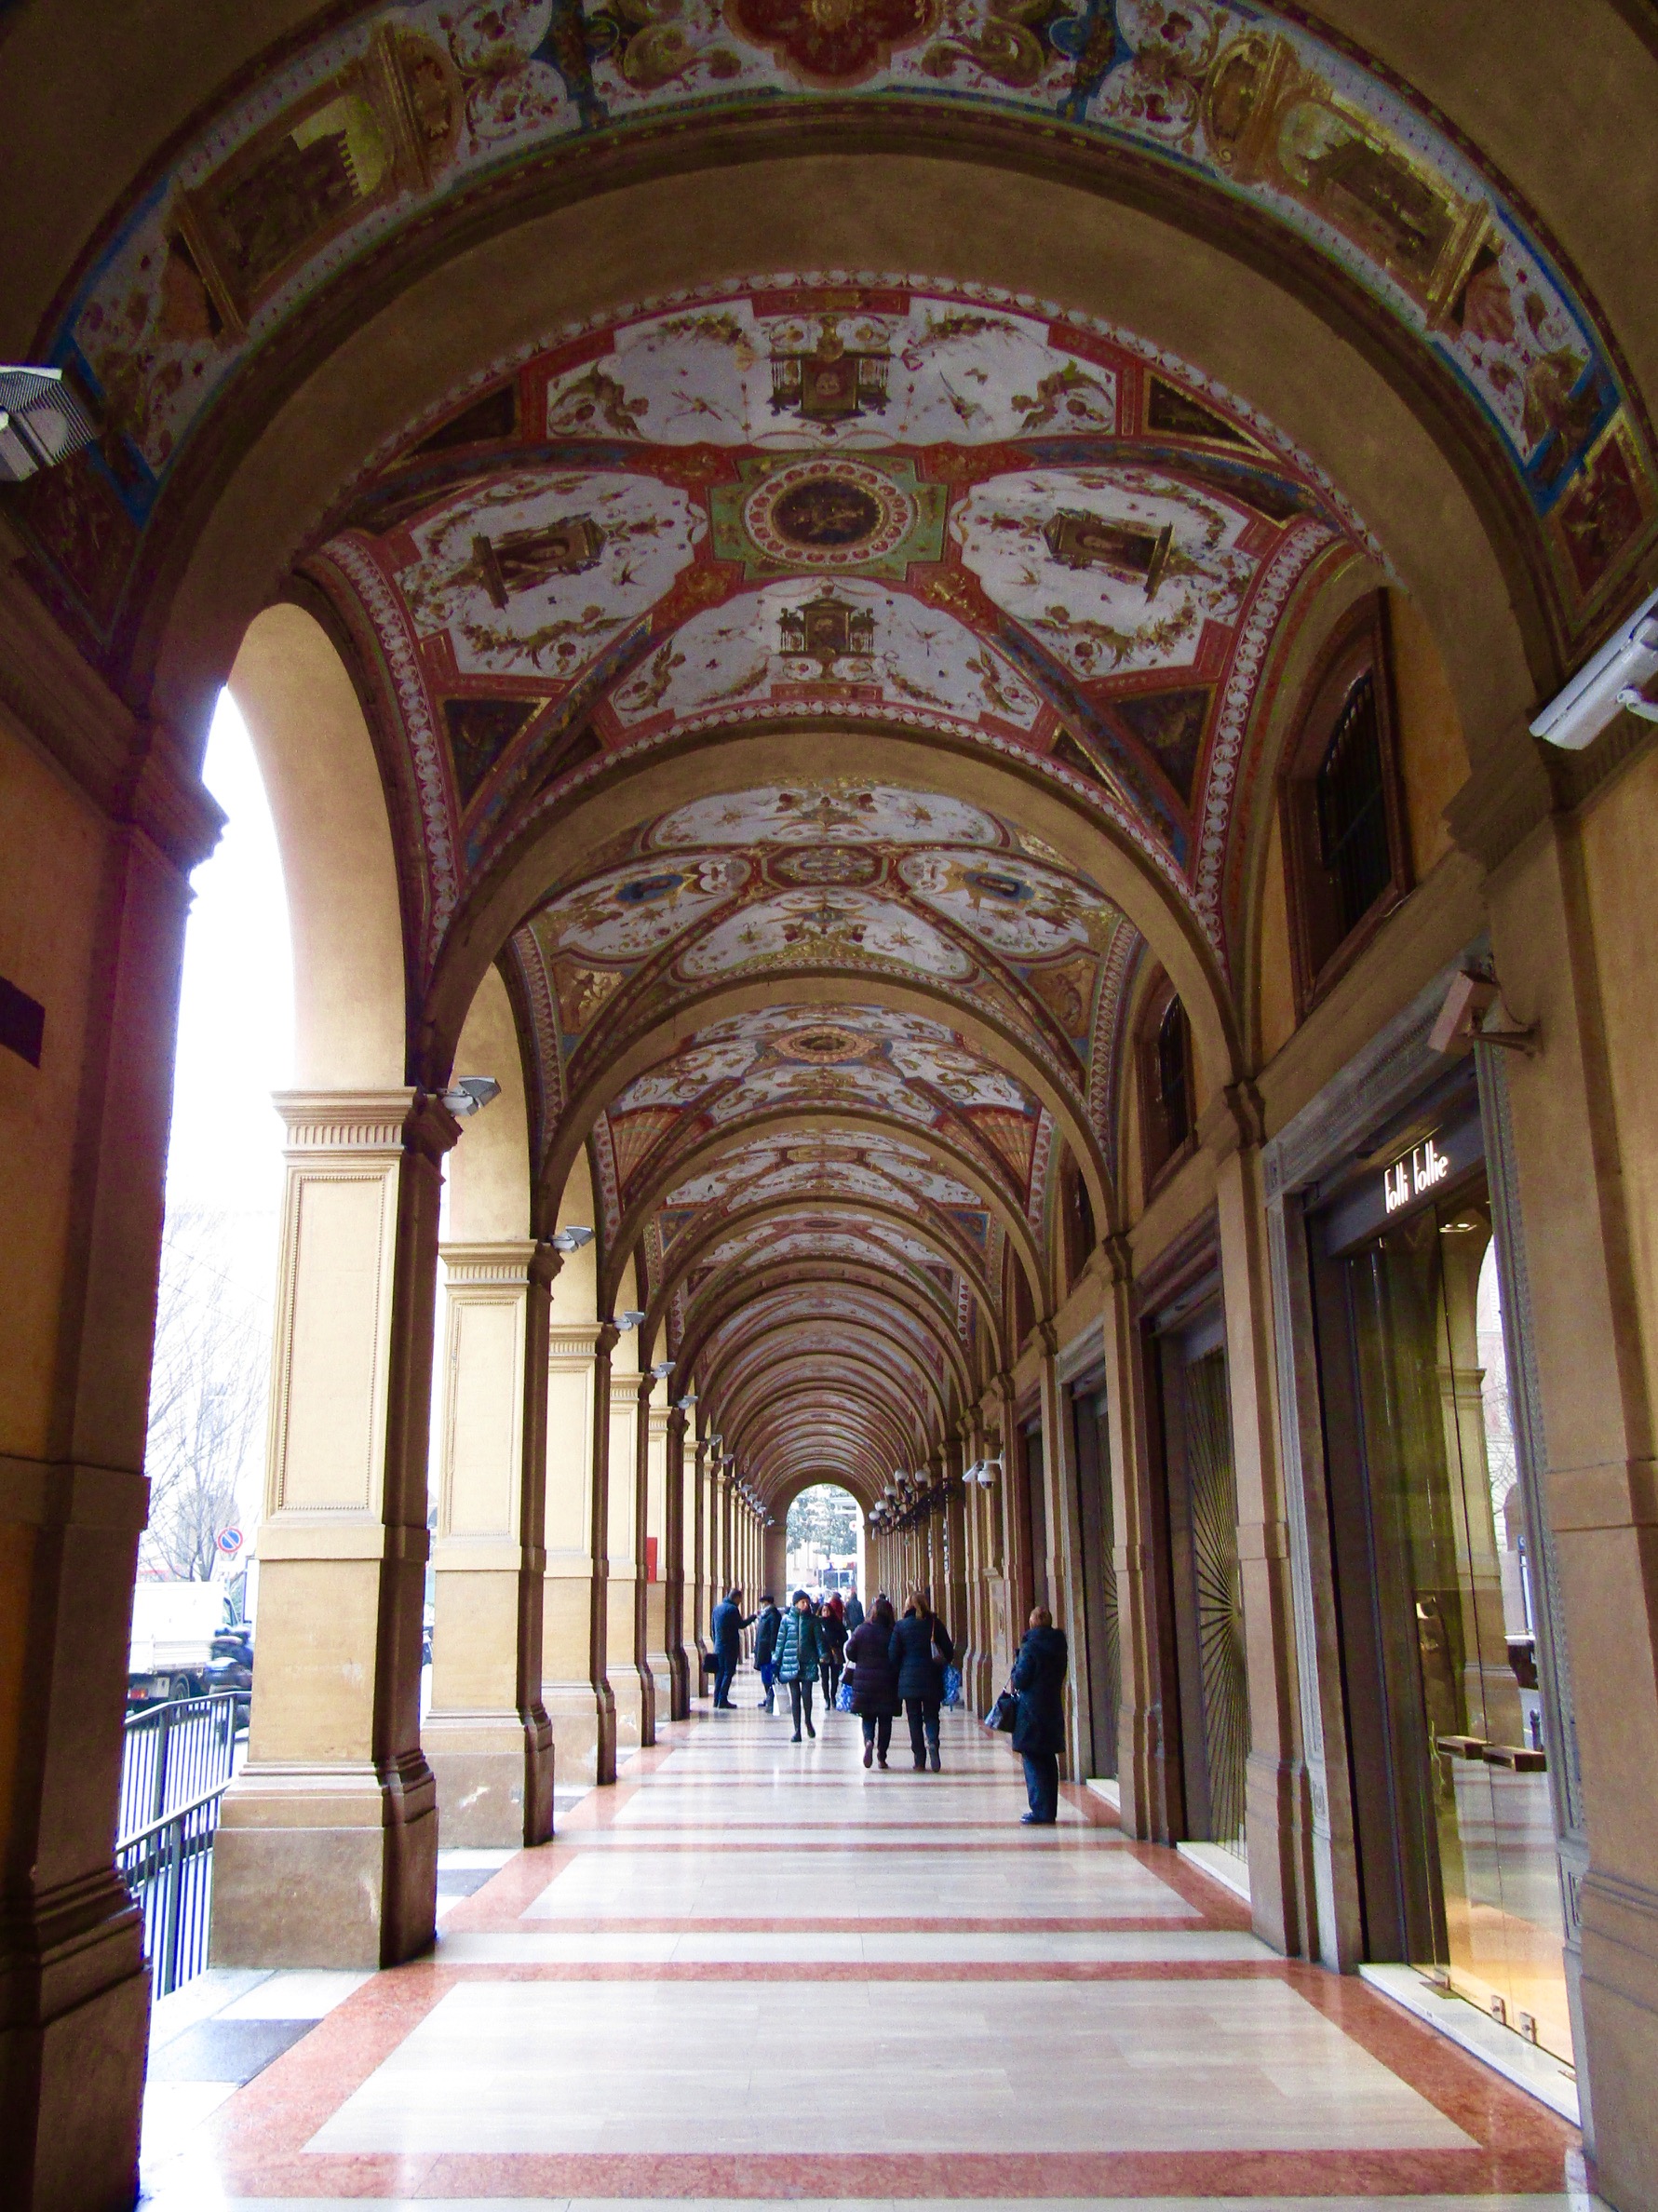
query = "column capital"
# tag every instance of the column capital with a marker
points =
(1232, 1120)
(605, 1339)
(508, 1264)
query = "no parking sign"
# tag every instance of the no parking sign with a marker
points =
(230, 1541)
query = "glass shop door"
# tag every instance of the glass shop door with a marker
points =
(1452, 1618)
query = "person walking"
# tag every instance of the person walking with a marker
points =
(727, 1627)
(765, 1643)
(874, 1679)
(854, 1612)
(798, 1656)
(833, 1624)
(1038, 1680)
(921, 1649)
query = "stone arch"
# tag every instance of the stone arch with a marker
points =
(339, 866)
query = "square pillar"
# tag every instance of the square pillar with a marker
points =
(1278, 1813)
(629, 1681)
(488, 1736)
(575, 1591)
(327, 1852)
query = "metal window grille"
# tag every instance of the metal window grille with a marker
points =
(176, 1761)
(1352, 808)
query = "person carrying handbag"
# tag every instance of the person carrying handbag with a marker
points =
(874, 1680)
(921, 1649)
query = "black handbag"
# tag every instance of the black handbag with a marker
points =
(1003, 1714)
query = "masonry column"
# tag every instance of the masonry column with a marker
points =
(677, 1476)
(955, 1555)
(103, 818)
(1064, 1546)
(488, 1734)
(702, 1532)
(1014, 1586)
(1575, 915)
(327, 1852)
(1147, 1778)
(1277, 1822)
(576, 1586)
(650, 1601)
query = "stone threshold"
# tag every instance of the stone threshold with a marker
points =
(1525, 2064)
(1223, 1866)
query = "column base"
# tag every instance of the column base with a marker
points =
(73, 2036)
(1619, 1995)
(635, 1714)
(326, 1866)
(678, 1672)
(494, 1776)
(584, 1722)
(662, 1688)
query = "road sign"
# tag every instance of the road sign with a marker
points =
(230, 1541)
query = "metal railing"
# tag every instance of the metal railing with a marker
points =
(176, 1761)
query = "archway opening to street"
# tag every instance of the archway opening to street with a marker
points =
(825, 1541)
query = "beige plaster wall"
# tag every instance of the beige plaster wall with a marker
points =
(489, 1169)
(1433, 757)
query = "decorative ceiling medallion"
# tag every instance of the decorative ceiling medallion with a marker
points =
(866, 517)
(826, 1045)
(824, 864)
(827, 514)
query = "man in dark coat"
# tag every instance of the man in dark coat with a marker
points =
(765, 1644)
(1038, 1678)
(854, 1612)
(727, 1635)
(921, 1649)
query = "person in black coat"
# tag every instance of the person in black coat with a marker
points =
(1038, 1679)
(727, 1627)
(832, 1621)
(921, 1649)
(765, 1644)
(874, 1680)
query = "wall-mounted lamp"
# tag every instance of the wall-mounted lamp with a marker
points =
(572, 1239)
(685, 1403)
(630, 1319)
(663, 1367)
(469, 1094)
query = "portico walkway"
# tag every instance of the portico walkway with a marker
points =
(754, 1971)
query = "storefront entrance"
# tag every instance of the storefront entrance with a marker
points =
(1434, 1567)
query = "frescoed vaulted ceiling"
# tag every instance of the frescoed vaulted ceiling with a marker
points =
(353, 152)
(891, 505)
(841, 599)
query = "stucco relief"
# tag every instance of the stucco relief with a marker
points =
(833, 812)
(831, 927)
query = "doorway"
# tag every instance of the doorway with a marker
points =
(1097, 1525)
(1458, 1867)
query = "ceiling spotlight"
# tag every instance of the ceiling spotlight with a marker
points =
(43, 421)
(572, 1239)
(468, 1094)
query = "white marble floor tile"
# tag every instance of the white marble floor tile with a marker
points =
(826, 1946)
(295, 1994)
(637, 2066)
(715, 1885)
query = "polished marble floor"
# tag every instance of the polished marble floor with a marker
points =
(753, 1971)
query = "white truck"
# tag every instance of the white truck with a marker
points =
(173, 1628)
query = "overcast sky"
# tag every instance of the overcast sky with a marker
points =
(235, 1016)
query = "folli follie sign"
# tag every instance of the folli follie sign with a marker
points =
(1413, 1175)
